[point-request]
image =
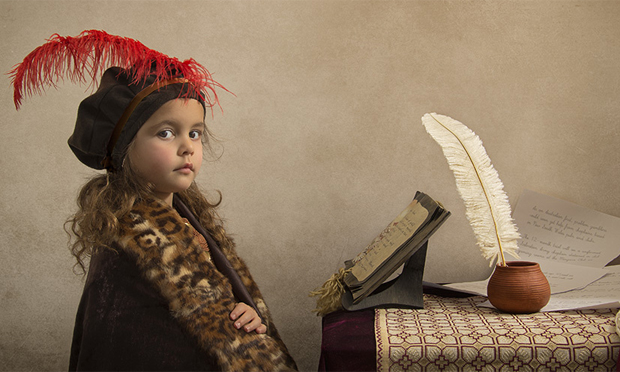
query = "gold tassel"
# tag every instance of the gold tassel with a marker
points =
(330, 294)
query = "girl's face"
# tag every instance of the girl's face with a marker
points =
(167, 150)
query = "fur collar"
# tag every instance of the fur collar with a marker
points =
(199, 296)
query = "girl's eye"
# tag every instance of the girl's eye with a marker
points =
(195, 134)
(165, 134)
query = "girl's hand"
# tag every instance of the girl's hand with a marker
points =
(245, 316)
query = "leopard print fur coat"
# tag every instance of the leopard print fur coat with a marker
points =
(199, 297)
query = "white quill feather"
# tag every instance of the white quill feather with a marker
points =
(486, 204)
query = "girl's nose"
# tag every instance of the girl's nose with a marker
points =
(186, 147)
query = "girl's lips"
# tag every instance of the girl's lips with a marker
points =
(186, 168)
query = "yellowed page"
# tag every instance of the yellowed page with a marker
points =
(389, 240)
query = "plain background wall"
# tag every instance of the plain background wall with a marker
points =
(322, 141)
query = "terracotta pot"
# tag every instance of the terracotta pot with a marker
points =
(518, 288)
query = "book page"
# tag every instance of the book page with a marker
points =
(390, 239)
(556, 230)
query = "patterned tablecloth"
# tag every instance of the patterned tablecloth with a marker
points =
(454, 334)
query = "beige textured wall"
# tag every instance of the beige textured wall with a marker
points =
(323, 143)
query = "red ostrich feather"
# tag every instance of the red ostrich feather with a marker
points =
(85, 57)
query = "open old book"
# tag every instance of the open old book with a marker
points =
(402, 242)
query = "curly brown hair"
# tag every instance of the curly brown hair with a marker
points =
(106, 198)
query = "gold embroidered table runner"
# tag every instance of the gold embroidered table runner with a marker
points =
(454, 334)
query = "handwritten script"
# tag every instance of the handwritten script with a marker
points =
(556, 230)
(392, 237)
(572, 244)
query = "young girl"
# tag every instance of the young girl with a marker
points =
(165, 288)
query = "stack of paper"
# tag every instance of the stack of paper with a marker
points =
(573, 245)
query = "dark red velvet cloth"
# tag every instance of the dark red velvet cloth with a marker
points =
(348, 341)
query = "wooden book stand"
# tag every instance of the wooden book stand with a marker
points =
(403, 291)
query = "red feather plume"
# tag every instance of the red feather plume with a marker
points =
(85, 57)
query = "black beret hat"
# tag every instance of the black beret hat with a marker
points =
(128, 94)
(99, 115)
